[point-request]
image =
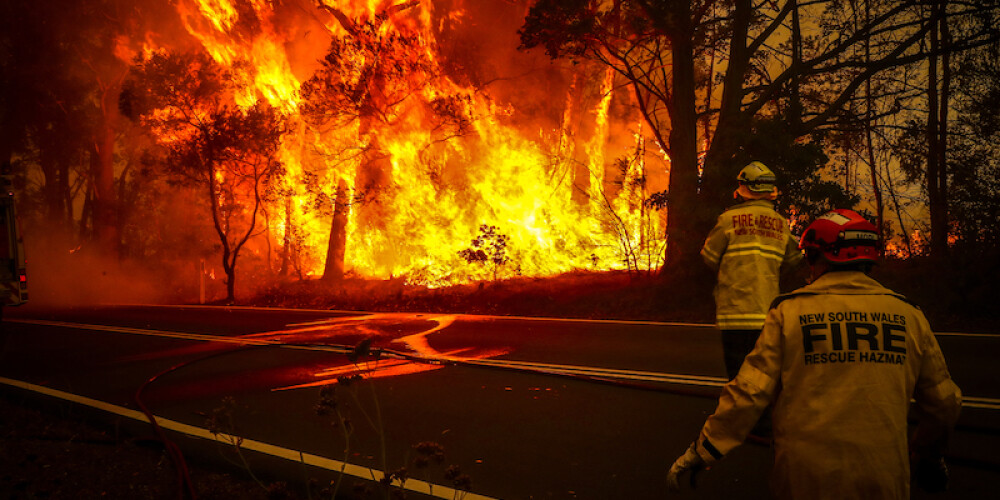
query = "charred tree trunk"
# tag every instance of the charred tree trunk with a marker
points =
(940, 221)
(336, 249)
(221, 225)
(935, 190)
(869, 145)
(873, 169)
(102, 170)
(848, 177)
(374, 172)
(67, 193)
(686, 223)
(86, 216)
(230, 270)
(899, 213)
(286, 244)
(720, 168)
(54, 211)
(794, 112)
(686, 220)
(126, 206)
(573, 158)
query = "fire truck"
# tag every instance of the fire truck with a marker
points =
(13, 271)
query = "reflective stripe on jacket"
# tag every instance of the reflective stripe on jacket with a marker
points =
(841, 359)
(747, 247)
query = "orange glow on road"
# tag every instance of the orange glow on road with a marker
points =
(403, 332)
(393, 333)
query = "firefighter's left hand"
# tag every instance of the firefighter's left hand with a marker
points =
(690, 461)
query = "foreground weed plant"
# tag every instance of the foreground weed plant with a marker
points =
(337, 403)
(352, 398)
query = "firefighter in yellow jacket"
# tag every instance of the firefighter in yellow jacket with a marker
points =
(748, 247)
(840, 360)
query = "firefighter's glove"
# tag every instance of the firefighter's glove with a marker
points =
(691, 462)
(930, 473)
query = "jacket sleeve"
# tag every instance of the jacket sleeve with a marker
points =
(939, 400)
(744, 398)
(793, 256)
(715, 245)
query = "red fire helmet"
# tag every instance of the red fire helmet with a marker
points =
(842, 236)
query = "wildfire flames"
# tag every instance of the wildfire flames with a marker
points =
(428, 161)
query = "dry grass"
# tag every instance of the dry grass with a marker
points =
(956, 295)
(608, 295)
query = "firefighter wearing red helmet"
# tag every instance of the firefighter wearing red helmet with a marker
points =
(841, 236)
(840, 360)
(748, 248)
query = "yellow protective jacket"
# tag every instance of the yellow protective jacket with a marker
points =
(840, 359)
(747, 247)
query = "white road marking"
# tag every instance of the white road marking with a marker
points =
(609, 373)
(418, 314)
(416, 485)
(490, 317)
(961, 334)
(177, 335)
(589, 371)
(981, 403)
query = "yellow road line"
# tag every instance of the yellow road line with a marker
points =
(322, 462)
(674, 378)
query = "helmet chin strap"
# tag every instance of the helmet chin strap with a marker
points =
(745, 193)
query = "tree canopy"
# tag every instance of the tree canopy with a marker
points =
(707, 73)
(185, 100)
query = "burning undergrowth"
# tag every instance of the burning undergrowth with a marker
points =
(588, 295)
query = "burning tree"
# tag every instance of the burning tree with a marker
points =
(186, 102)
(371, 77)
(489, 247)
(403, 134)
(397, 144)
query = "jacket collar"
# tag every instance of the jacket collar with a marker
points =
(847, 282)
(754, 203)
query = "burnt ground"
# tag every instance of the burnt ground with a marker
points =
(53, 451)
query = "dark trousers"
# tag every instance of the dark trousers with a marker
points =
(736, 344)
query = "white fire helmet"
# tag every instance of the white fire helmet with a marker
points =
(757, 178)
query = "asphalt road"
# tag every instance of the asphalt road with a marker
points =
(529, 408)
